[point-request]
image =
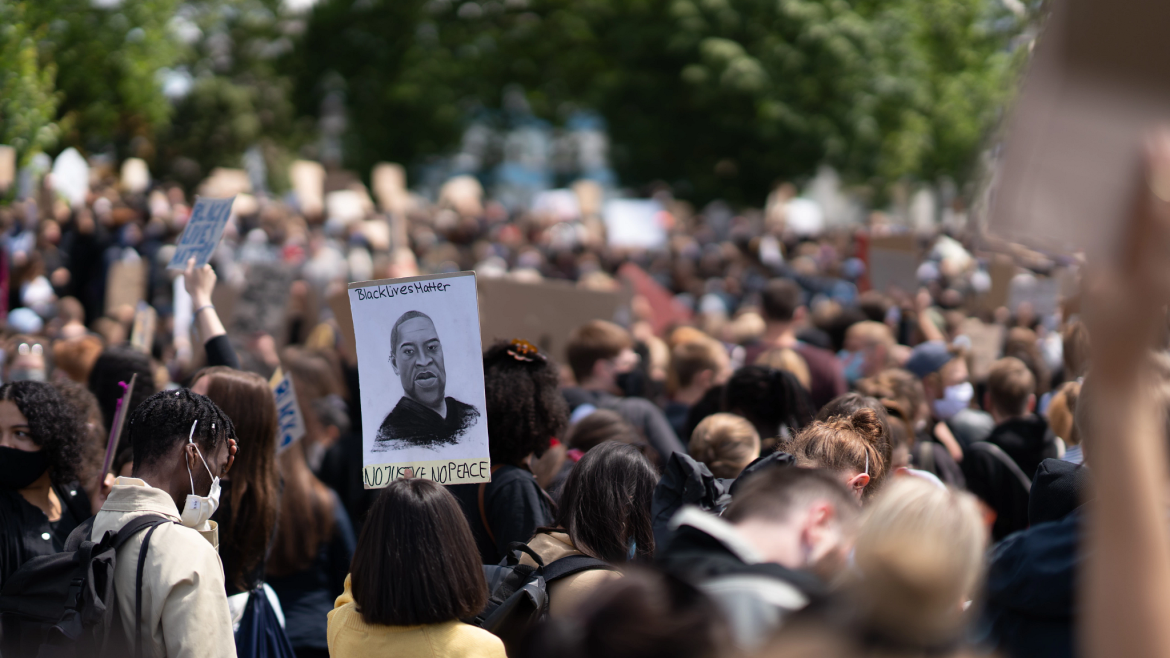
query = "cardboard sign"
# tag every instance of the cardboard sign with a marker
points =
(634, 223)
(142, 334)
(135, 175)
(290, 423)
(544, 313)
(1098, 83)
(1042, 293)
(71, 176)
(893, 263)
(7, 167)
(308, 183)
(421, 372)
(204, 229)
(389, 182)
(125, 285)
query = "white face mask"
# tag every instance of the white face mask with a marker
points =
(955, 399)
(198, 509)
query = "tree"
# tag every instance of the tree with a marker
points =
(28, 103)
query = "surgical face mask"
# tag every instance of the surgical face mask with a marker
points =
(198, 509)
(854, 364)
(955, 399)
(26, 374)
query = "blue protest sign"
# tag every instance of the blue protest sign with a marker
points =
(290, 425)
(203, 231)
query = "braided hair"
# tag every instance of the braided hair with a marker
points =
(524, 407)
(165, 418)
(54, 424)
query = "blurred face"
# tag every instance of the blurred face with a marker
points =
(418, 361)
(14, 429)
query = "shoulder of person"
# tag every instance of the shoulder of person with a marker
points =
(464, 640)
(181, 551)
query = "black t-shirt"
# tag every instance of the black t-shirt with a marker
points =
(514, 507)
(25, 531)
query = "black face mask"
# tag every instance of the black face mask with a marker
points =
(630, 383)
(20, 468)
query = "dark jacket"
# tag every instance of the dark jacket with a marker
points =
(685, 482)
(755, 596)
(971, 425)
(1031, 588)
(1025, 440)
(25, 531)
(513, 506)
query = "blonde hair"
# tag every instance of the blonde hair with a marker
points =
(871, 332)
(784, 358)
(726, 443)
(919, 557)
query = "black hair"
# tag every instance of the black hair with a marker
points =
(525, 409)
(409, 315)
(119, 364)
(606, 503)
(769, 398)
(645, 614)
(779, 300)
(165, 419)
(416, 561)
(56, 426)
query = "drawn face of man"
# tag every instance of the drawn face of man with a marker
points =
(418, 361)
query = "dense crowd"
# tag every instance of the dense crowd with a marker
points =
(782, 460)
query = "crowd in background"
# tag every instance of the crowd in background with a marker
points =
(792, 462)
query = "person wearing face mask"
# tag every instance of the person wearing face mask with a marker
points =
(786, 534)
(601, 354)
(182, 445)
(41, 450)
(868, 350)
(945, 381)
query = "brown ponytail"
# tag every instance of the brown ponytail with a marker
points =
(846, 442)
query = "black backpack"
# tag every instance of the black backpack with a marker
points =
(61, 605)
(519, 592)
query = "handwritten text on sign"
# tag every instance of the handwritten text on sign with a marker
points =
(203, 231)
(443, 471)
(290, 423)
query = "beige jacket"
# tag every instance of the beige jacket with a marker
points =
(184, 603)
(566, 593)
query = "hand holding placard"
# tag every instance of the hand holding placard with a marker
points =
(209, 217)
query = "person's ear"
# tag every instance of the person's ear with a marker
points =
(799, 315)
(821, 515)
(1031, 403)
(858, 483)
(602, 369)
(394, 363)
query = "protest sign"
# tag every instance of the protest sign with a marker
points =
(142, 334)
(71, 176)
(135, 175)
(1098, 83)
(121, 409)
(308, 183)
(181, 323)
(1041, 293)
(893, 262)
(202, 233)
(389, 182)
(7, 167)
(125, 285)
(635, 223)
(421, 372)
(544, 313)
(290, 424)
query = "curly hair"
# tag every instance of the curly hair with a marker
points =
(56, 426)
(165, 419)
(524, 407)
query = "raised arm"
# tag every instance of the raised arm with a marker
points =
(200, 282)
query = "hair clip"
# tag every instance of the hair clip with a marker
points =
(522, 350)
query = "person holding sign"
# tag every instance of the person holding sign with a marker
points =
(424, 416)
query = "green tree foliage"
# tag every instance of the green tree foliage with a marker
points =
(107, 55)
(720, 97)
(28, 103)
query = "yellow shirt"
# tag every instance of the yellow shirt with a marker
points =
(351, 637)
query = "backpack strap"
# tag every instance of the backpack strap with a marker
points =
(483, 507)
(571, 565)
(80, 533)
(1004, 458)
(153, 522)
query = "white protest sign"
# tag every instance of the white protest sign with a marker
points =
(142, 333)
(71, 176)
(182, 319)
(135, 175)
(203, 231)
(290, 424)
(634, 223)
(421, 372)
(7, 167)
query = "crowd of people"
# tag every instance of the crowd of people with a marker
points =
(795, 464)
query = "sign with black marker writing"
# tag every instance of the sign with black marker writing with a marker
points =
(208, 219)
(421, 370)
(290, 424)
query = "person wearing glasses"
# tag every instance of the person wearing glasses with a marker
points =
(183, 444)
(26, 359)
